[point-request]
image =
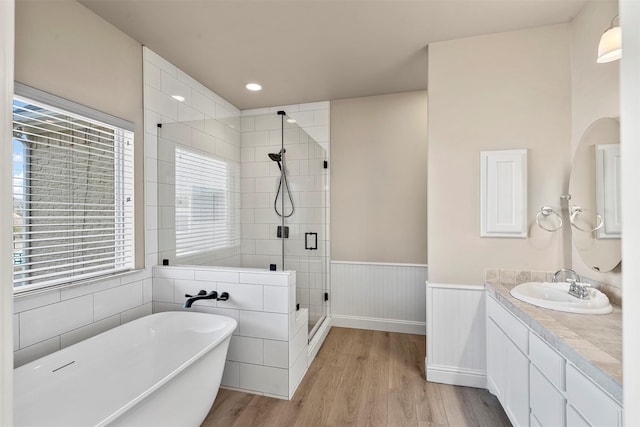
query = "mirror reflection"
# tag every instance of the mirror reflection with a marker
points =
(594, 206)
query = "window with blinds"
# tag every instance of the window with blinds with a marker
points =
(206, 219)
(72, 196)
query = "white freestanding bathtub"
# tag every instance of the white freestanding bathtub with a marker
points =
(159, 370)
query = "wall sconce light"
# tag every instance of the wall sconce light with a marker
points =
(610, 46)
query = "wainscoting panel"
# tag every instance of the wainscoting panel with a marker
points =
(379, 296)
(456, 349)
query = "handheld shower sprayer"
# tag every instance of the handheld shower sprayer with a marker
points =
(279, 158)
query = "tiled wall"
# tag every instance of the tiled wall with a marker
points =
(268, 351)
(51, 320)
(203, 121)
(308, 181)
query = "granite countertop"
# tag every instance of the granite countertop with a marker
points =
(592, 342)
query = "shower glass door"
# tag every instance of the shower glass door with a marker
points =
(305, 249)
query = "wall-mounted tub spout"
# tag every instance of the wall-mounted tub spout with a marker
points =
(201, 295)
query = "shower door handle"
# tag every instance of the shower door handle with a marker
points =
(311, 241)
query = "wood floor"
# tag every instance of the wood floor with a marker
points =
(363, 378)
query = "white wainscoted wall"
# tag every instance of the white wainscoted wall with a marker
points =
(379, 296)
(456, 349)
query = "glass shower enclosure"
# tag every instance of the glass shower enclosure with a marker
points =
(249, 192)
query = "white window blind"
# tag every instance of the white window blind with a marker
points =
(206, 218)
(72, 196)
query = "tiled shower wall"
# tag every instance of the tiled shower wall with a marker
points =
(308, 181)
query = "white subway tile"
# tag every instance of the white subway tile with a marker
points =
(173, 272)
(247, 350)
(150, 194)
(303, 118)
(299, 342)
(163, 290)
(268, 122)
(264, 379)
(231, 374)
(215, 128)
(194, 117)
(161, 103)
(255, 169)
(29, 302)
(136, 313)
(156, 59)
(255, 139)
(117, 300)
(297, 371)
(90, 288)
(255, 231)
(152, 75)
(191, 287)
(321, 118)
(247, 124)
(228, 276)
(318, 133)
(203, 141)
(226, 150)
(45, 322)
(266, 278)
(254, 112)
(242, 297)
(171, 86)
(36, 351)
(147, 290)
(159, 307)
(202, 103)
(276, 353)
(276, 299)
(263, 325)
(89, 331)
(191, 82)
(267, 184)
(268, 247)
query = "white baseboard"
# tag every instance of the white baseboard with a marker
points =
(456, 376)
(318, 338)
(375, 324)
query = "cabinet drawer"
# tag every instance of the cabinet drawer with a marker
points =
(512, 327)
(550, 363)
(547, 403)
(593, 404)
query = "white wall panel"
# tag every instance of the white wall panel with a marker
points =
(456, 348)
(379, 296)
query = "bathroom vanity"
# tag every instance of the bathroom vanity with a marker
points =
(550, 368)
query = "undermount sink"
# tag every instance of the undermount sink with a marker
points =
(555, 296)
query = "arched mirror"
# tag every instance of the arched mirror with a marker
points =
(594, 186)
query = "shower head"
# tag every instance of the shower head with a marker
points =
(277, 157)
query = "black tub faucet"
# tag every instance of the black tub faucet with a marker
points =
(201, 295)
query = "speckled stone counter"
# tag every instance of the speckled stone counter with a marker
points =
(591, 342)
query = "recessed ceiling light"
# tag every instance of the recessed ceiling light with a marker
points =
(253, 87)
(178, 97)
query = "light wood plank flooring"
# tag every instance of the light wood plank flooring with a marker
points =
(363, 378)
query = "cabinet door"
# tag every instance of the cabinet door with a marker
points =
(547, 403)
(496, 361)
(517, 385)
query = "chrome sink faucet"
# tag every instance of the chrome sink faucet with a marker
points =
(576, 277)
(576, 289)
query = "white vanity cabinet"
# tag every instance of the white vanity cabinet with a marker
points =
(507, 362)
(535, 384)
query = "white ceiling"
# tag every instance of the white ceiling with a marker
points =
(305, 50)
